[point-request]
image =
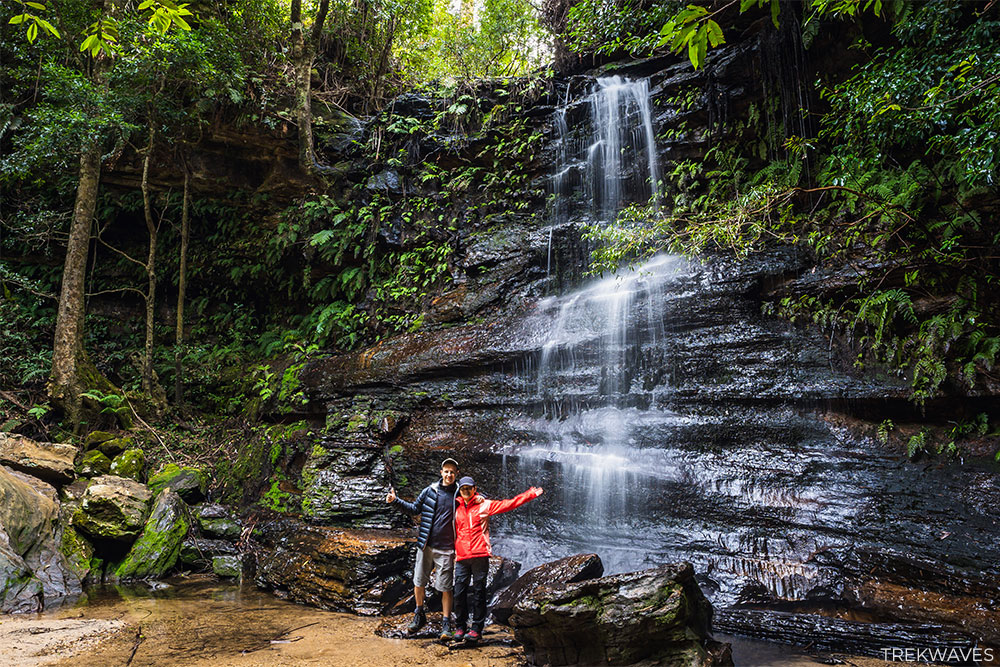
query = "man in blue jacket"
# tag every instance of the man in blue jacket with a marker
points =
(435, 543)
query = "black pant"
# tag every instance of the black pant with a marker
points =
(476, 569)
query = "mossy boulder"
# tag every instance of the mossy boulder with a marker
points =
(227, 566)
(94, 463)
(157, 549)
(131, 463)
(113, 508)
(77, 551)
(94, 438)
(214, 520)
(115, 446)
(189, 483)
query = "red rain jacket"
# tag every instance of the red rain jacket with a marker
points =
(472, 522)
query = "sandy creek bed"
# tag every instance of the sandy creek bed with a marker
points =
(197, 621)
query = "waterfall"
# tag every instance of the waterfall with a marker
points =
(588, 384)
(622, 132)
(616, 162)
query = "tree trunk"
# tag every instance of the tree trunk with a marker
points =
(150, 384)
(66, 382)
(303, 52)
(181, 288)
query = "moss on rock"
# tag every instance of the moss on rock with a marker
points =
(93, 463)
(131, 463)
(189, 483)
(157, 549)
(227, 566)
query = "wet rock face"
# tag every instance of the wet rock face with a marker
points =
(563, 571)
(658, 614)
(720, 440)
(363, 572)
(49, 461)
(113, 508)
(158, 547)
(341, 485)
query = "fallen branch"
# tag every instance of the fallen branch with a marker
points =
(135, 646)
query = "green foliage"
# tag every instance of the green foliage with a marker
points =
(33, 23)
(116, 405)
(504, 38)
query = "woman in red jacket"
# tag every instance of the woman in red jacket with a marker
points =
(472, 552)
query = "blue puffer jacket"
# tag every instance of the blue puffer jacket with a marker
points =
(424, 505)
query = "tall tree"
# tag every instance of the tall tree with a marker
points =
(303, 53)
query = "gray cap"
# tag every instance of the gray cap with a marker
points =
(466, 481)
(451, 461)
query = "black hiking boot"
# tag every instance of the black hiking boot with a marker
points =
(417, 622)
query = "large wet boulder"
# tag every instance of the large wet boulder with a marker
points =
(363, 572)
(157, 549)
(555, 573)
(33, 570)
(19, 590)
(50, 461)
(657, 614)
(113, 508)
(189, 483)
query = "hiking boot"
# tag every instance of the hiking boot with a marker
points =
(471, 637)
(418, 621)
(458, 635)
(446, 632)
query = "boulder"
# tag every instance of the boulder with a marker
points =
(95, 438)
(215, 521)
(200, 552)
(364, 572)
(563, 571)
(50, 461)
(115, 446)
(131, 463)
(157, 549)
(189, 483)
(502, 573)
(227, 566)
(113, 508)
(658, 614)
(32, 568)
(93, 464)
(20, 591)
(76, 550)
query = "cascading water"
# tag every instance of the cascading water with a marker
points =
(616, 162)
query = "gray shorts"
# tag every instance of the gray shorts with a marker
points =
(441, 562)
